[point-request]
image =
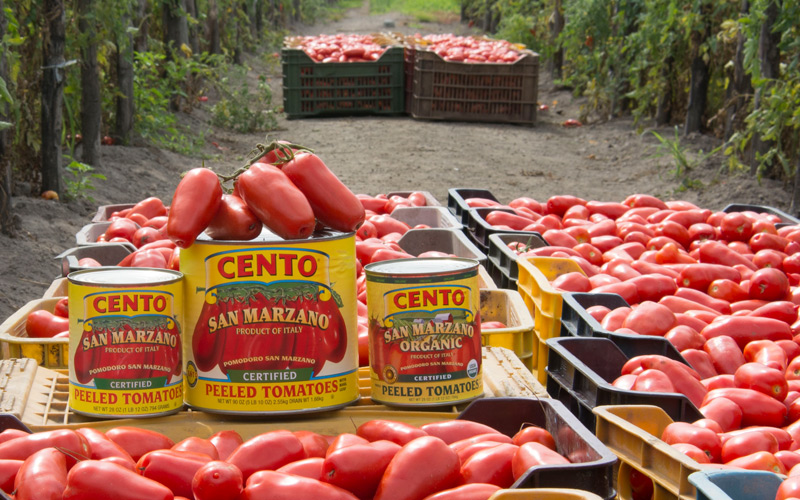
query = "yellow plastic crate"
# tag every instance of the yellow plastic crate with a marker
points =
(543, 301)
(545, 494)
(633, 433)
(508, 307)
(14, 342)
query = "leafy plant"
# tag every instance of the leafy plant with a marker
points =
(243, 111)
(154, 121)
(79, 180)
(683, 161)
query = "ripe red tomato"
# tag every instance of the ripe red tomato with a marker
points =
(531, 454)
(62, 307)
(736, 226)
(428, 459)
(641, 486)
(534, 433)
(745, 443)
(226, 441)
(217, 480)
(43, 324)
(390, 430)
(145, 235)
(267, 451)
(769, 284)
(705, 439)
(451, 431)
(314, 444)
(359, 468)
(121, 228)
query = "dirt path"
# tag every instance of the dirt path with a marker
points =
(603, 161)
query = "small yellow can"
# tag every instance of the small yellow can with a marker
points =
(125, 349)
(424, 331)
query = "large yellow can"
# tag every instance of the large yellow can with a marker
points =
(125, 353)
(424, 331)
(271, 324)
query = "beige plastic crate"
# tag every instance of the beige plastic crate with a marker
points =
(15, 343)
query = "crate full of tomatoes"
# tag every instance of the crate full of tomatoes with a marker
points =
(342, 75)
(474, 79)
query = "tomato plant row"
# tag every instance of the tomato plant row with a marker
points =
(382, 459)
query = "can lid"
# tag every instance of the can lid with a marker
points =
(417, 266)
(124, 276)
(267, 236)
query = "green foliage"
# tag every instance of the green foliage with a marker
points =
(683, 160)
(152, 93)
(777, 118)
(422, 10)
(241, 110)
(523, 29)
(80, 180)
(5, 102)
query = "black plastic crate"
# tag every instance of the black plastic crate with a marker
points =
(592, 462)
(479, 230)
(786, 219)
(503, 261)
(575, 321)
(475, 92)
(313, 88)
(580, 372)
(456, 200)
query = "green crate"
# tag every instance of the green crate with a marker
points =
(313, 89)
(475, 92)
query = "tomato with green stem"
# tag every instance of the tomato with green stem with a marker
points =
(276, 201)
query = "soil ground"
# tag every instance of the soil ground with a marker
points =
(604, 161)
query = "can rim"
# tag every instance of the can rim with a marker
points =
(169, 276)
(426, 266)
(267, 237)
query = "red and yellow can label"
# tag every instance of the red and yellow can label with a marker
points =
(424, 333)
(125, 342)
(271, 326)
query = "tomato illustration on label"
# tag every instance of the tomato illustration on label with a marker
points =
(256, 326)
(423, 343)
(119, 347)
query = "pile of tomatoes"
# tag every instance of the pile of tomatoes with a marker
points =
(469, 49)
(382, 459)
(722, 287)
(143, 225)
(41, 323)
(339, 48)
